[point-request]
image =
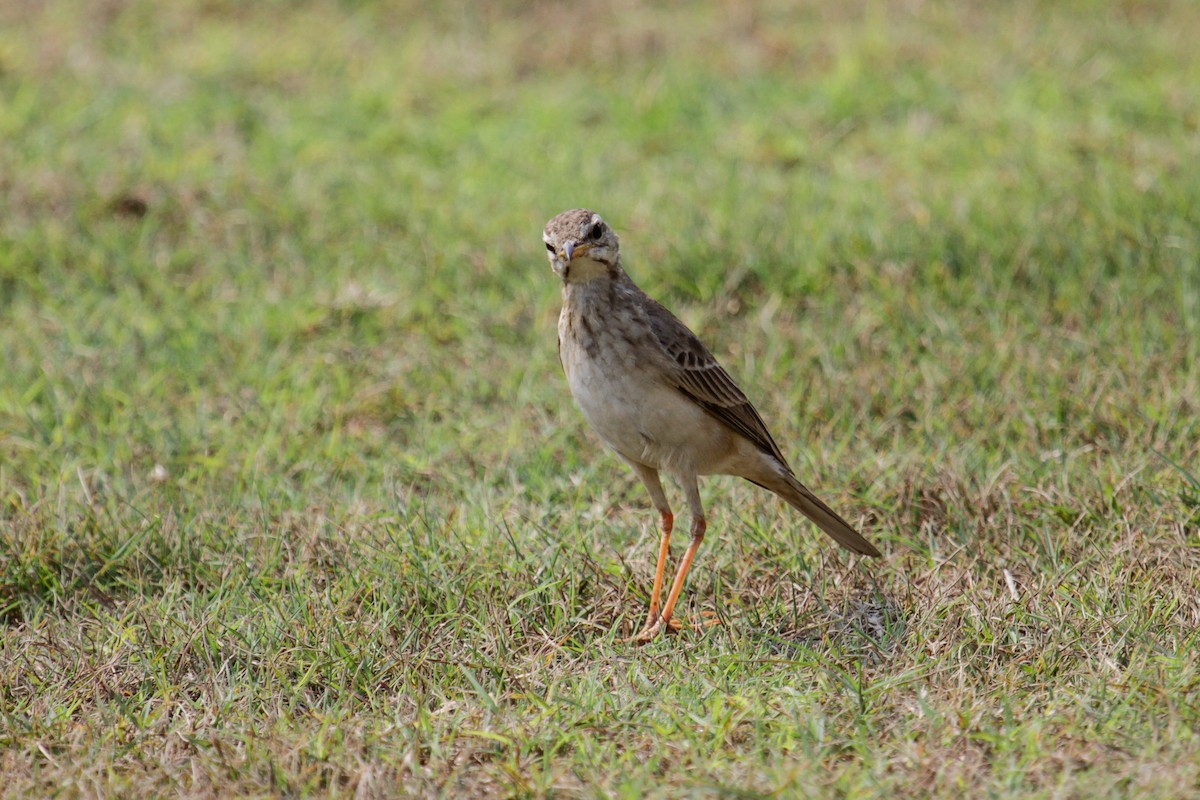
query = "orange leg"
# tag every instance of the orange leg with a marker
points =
(664, 549)
(656, 623)
(698, 528)
(653, 485)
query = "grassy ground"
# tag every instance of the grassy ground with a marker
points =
(294, 500)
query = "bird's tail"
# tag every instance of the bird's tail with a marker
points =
(798, 495)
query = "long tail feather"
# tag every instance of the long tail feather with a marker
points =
(798, 495)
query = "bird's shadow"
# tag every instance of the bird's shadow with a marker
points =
(868, 624)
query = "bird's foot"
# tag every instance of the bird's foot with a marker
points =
(655, 625)
(644, 635)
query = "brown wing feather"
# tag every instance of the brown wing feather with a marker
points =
(697, 374)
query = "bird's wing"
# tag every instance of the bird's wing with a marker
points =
(696, 373)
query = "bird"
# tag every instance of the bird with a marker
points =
(659, 399)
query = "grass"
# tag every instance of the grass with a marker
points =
(293, 499)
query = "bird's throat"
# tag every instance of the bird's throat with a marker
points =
(583, 270)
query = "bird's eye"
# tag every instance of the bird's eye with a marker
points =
(550, 247)
(597, 230)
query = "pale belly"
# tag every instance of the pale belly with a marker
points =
(644, 419)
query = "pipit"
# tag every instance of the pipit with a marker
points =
(657, 397)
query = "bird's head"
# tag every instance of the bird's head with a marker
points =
(581, 246)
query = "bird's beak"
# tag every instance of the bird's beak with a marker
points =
(575, 247)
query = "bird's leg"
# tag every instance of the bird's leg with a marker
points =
(657, 623)
(698, 527)
(653, 485)
(664, 549)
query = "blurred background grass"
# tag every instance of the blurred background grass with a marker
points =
(278, 358)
